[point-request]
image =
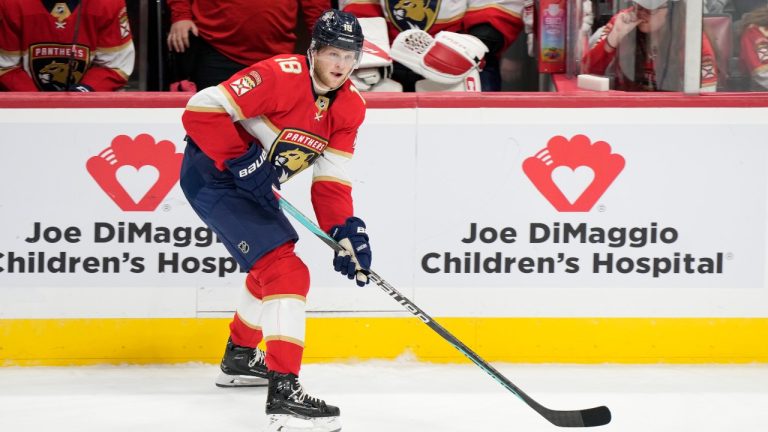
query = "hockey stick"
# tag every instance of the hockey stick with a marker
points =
(71, 63)
(597, 416)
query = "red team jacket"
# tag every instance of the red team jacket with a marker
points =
(597, 60)
(433, 16)
(754, 53)
(36, 45)
(248, 31)
(272, 103)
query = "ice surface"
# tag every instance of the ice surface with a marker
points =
(392, 396)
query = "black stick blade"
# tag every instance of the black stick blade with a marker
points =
(597, 416)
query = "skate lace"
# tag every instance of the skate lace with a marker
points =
(259, 357)
(300, 395)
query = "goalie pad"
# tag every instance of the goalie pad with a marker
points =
(376, 44)
(447, 58)
(375, 64)
(387, 85)
(471, 83)
(366, 78)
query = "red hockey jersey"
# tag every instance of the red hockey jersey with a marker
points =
(273, 103)
(248, 31)
(37, 45)
(434, 16)
(598, 59)
(754, 54)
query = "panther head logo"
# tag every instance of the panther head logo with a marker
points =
(294, 160)
(417, 10)
(57, 73)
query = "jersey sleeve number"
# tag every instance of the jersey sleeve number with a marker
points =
(289, 65)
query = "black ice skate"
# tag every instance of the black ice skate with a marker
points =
(290, 408)
(242, 367)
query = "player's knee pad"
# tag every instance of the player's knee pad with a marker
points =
(250, 305)
(253, 286)
(281, 272)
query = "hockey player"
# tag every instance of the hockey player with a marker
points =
(78, 45)
(260, 128)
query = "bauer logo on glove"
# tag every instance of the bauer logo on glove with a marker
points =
(355, 261)
(253, 166)
(255, 176)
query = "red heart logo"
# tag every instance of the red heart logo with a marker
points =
(573, 175)
(136, 173)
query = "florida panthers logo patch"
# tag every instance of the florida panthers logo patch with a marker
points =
(61, 12)
(56, 65)
(708, 73)
(294, 151)
(125, 26)
(412, 14)
(762, 52)
(322, 103)
(242, 85)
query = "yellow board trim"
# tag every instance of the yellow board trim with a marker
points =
(49, 342)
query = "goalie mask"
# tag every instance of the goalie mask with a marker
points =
(339, 30)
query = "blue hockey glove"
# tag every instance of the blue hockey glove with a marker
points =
(355, 261)
(255, 175)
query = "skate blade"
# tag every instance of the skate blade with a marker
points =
(287, 423)
(224, 380)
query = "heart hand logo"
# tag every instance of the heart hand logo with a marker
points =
(137, 182)
(136, 173)
(572, 183)
(573, 175)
